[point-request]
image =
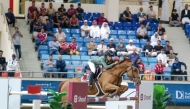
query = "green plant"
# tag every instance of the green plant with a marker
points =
(161, 98)
(55, 101)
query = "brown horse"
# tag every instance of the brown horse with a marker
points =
(110, 80)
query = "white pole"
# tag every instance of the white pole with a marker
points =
(36, 104)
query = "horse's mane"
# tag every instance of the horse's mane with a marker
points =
(124, 59)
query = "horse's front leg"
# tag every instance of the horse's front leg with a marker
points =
(123, 89)
(112, 88)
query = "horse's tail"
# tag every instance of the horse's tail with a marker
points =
(60, 85)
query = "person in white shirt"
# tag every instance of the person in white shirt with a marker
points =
(95, 30)
(101, 48)
(154, 39)
(141, 32)
(162, 56)
(12, 66)
(130, 47)
(43, 18)
(85, 29)
(60, 35)
(105, 31)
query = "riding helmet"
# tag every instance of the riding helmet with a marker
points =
(109, 53)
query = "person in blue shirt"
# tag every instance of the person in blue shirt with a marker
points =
(48, 28)
(10, 17)
(176, 69)
(134, 56)
(60, 65)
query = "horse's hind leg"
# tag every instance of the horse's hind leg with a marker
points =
(112, 88)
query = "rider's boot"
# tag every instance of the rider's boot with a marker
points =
(91, 77)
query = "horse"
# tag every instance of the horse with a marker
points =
(110, 80)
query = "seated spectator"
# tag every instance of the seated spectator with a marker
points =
(62, 9)
(64, 47)
(41, 38)
(130, 47)
(140, 65)
(54, 46)
(174, 19)
(85, 29)
(31, 9)
(100, 20)
(105, 31)
(168, 47)
(79, 16)
(159, 70)
(42, 9)
(37, 28)
(95, 30)
(154, 39)
(176, 69)
(73, 21)
(2, 62)
(48, 28)
(12, 66)
(142, 32)
(60, 35)
(73, 47)
(141, 15)
(171, 57)
(10, 17)
(111, 46)
(50, 11)
(134, 56)
(43, 18)
(158, 47)
(64, 21)
(80, 12)
(92, 47)
(56, 20)
(126, 16)
(60, 65)
(152, 15)
(71, 11)
(162, 56)
(120, 48)
(161, 32)
(101, 48)
(148, 49)
(50, 67)
(185, 15)
(33, 19)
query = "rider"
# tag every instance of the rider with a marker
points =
(103, 60)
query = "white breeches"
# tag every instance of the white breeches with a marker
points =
(92, 67)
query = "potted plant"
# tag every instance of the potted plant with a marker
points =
(161, 98)
(55, 101)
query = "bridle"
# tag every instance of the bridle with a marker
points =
(133, 76)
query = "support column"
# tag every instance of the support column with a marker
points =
(112, 7)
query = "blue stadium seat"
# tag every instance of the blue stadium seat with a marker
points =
(163, 42)
(111, 28)
(75, 58)
(143, 41)
(150, 33)
(86, 40)
(89, 23)
(94, 18)
(85, 58)
(154, 25)
(118, 24)
(55, 30)
(113, 32)
(66, 30)
(80, 23)
(79, 39)
(68, 62)
(135, 41)
(79, 44)
(96, 14)
(113, 36)
(118, 28)
(92, 57)
(136, 24)
(87, 18)
(76, 63)
(68, 39)
(55, 57)
(134, 17)
(49, 38)
(83, 53)
(152, 65)
(131, 33)
(167, 73)
(132, 37)
(66, 57)
(106, 40)
(83, 49)
(127, 24)
(76, 35)
(128, 28)
(122, 37)
(122, 32)
(44, 57)
(116, 41)
(97, 40)
(135, 28)
(126, 41)
(43, 48)
(144, 60)
(88, 13)
(75, 31)
(70, 70)
(152, 60)
(42, 53)
(68, 35)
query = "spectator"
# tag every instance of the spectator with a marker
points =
(64, 21)
(120, 48)
(73, 47)
(50, 11)
(73, 21)
(171, 57)
(16, 41)
(64, 47)
(134, 56)
(126, 16)
(85, 29)
(95, 30)
(41, 38)
(56, 20)
(167, 48)
(37, 28)
(79, 12)
(141, 32)
(105, 31)
(161, 32)
(60, 35)
(2, 62)
(101, 48)
(71, 11)
(79, 16)
(33, 19)
(62, 10)
(43, 18)
(10, 17)
(31, 9)
(176, 69)
(162, 56)
(174, 19)
(154, 39)
(12, 66)
(185, 15)
(100, 20)
(42, 9)
(54, 46)
(130, 48)
(140, 65)
(141, 16)
(50, 67)
(158, 47)
(152, 15)
(60, 65)
(159, 70)
(92, 47)
(148, 49)
(48, 28)
(111, 46)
